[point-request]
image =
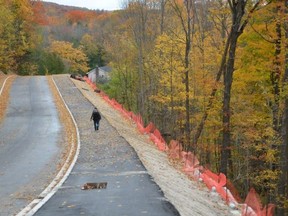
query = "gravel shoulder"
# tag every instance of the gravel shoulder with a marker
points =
(188, 196)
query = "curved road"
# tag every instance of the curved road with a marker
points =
(29, 152)
(105, 157)
(29, 149)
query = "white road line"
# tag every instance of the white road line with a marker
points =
(2, 88)
(57, 182)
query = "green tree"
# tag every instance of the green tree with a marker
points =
(50, 63)
(95, 52)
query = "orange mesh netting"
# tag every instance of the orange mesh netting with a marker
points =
(233, 191)
(93, 86)
(218, 182)
(252, 206)
(139, 123)
(158, 140)
(150, 128)
(191, 165)
(125, 113)
(174, 149)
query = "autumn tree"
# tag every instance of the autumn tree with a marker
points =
(139, 18)
(185, 13)
(17, 34)
(6, 34)
(283, 149)
(219, 15)
(239, 22)
(95, 52)
(49, 63)
(74, 58)
(39, 15)
(123, 85)
(168, 90)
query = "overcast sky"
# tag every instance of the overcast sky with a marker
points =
(91, 4)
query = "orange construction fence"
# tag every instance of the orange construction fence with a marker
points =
(252, 206)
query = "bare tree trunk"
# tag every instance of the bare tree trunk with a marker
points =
(163, 3)
(141, 99)
(223, 31)
(212, 95)
(228, 79)
(187, 22)
(275, 77)
(137, 12)
(237, 12)
(283, 165)
(276, 74)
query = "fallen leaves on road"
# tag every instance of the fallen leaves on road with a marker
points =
(69, 140)
(4, 97)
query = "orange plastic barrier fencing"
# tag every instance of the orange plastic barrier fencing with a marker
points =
(150, 128)
(139, 123)
(174, 150)
(193, 169)
(158, 140)
(253, 206)
(126, 114)
(218, 182)
(233, 191)
(191, 165)
(93, 86)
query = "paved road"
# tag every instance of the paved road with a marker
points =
(105, 156)
(29, 150)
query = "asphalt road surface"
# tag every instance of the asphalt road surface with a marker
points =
(105, 157)
(29, 149)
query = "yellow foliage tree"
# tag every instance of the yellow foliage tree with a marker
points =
(17, 32)
(74, 58)
(166, 69)
(6, 28)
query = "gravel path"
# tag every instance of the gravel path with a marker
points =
(189, 197)
(105, 156)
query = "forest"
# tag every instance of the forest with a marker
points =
(211, 74)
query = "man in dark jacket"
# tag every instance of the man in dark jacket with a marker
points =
(96, 118)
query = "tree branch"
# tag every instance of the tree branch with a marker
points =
(267, 40)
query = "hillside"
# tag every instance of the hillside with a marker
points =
(68, 23)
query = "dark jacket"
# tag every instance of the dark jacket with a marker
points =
(96, 115)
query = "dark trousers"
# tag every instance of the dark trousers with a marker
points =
(96, 124)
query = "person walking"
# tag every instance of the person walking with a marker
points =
(96, 118)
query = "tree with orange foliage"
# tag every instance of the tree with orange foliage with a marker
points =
(39, 13)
